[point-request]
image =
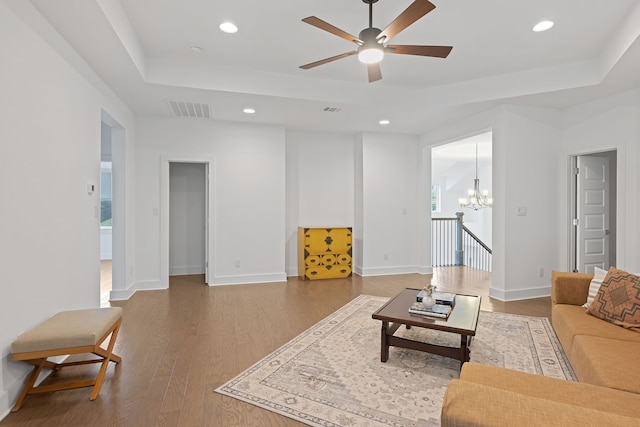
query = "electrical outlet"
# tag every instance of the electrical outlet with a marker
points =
(540, 271)
(237, 262)
(385, 256)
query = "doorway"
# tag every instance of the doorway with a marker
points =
(106, 213)
(455, 168)
(188, 210)
(593, 211)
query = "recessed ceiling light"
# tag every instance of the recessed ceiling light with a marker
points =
(384, 122)
(249, 110)
(195, 49)
(228, 27)
(542, 26)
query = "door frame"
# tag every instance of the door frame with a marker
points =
(121, 272)
(573, 208)
(165, 209)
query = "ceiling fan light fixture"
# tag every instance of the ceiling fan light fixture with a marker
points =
(228, 27)
(542, 26)
(370, 55)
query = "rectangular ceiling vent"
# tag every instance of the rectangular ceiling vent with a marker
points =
(192, 110)
(332, 109)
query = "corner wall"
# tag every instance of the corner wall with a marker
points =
(50, 124)
(247, 218)
(320, 185)
(524, 139)
(392, 193)
(608, 124)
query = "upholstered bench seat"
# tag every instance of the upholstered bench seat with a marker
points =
(65, 333)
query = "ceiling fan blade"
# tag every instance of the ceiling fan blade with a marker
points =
(435, 51)
(327, 60)
(323, 25)
(374, 72)
(415, 11)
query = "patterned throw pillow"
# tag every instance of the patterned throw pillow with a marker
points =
(618, 300)
(598, 276)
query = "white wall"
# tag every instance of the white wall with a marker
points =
(320, 185)
(105, 243)
(608, 124)
(524, 139)
(529, 138)
(392, 193)
(248, 196)
(187, 199)
(50, 120)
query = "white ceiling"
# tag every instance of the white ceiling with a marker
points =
(140, 48)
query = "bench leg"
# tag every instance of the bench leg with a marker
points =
(29, 384)
(107, 357)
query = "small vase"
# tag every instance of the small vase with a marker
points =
(428, 301)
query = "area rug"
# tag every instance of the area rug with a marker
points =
(331, 374)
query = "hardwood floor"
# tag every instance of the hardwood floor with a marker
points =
(178, 345)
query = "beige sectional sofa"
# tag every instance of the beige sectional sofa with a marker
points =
(605, 358)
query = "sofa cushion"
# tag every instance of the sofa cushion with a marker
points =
(594, 286)
(618, 300)
(569, 288)
(573, 393)
(571, 320)
(471, 404)
(607, 362)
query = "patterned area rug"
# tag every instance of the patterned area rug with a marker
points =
(331, 374)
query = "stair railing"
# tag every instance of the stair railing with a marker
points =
(453, 244)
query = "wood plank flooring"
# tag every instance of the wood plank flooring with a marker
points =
(178, 345)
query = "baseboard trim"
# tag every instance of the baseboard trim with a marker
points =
(125, 294)
(245, 280)
(186, 270)
(387, 271)
(10, 396)
(5, 405)
(121, 295)
(519, 294)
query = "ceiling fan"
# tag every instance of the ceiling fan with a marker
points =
(372, 41)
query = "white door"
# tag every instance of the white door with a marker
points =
(592, 238)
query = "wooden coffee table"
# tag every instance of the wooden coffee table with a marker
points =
(463, 320)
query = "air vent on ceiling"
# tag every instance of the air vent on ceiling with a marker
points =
(331, 109)
(191, 110)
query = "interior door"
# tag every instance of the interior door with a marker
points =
(592, 208)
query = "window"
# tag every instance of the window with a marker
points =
(105, 194)
(435, 198)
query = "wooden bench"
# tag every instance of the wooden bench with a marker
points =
(66, 333)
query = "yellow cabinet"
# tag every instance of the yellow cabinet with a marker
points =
(324, 253)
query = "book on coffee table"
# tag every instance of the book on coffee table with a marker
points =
(439, 310)
(445, 298)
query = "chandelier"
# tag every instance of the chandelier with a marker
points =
(475, 198)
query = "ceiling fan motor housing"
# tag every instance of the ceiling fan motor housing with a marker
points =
(370, 36)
